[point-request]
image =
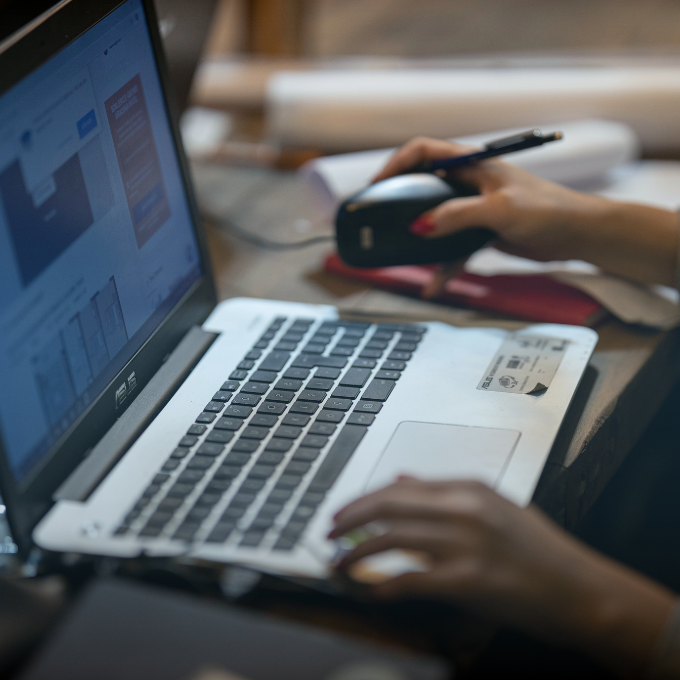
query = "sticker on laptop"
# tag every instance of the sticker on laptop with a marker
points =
(524, 364)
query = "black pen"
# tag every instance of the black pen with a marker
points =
(499, 147)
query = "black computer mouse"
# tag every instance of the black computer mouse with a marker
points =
(372, 226)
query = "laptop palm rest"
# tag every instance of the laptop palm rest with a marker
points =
(436, 451)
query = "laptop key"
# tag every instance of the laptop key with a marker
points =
(283, 396)
(312, 348)
(279, 495)
(377, 344)
(236, 458)
(261, 471)
(312, 360)
(391, 365)
(222, 395)
(269, 458)
(297, 373)
(251, 539)
(245, 365)
(286, 346)
(170, 465)
(218, 485)
(263, 420)
(242, 399)
(274, 361)
(319, 384)
(238, 374)
(180, 452)
(168, 504)
(314, 441)
(288, 482)
(399, 356)
(251, 485)
(312, 498)
(288, 432)
(357, 418)
(364, 363)
(213, 406)
(303, 512)
(327, 416)
(368, 406)
(327, 372)
(237, 411)
(186, 531)
(230, 386)
(188, 440)
(297, 467)
(208, 498)
(234, 512)
(378, 390)
(405, 347)
(159, 518)
(325, 429)
(263, 376)
(339, 454)
(160, 479)
(306, 407)
(338, 404)
(220, 532)
(261, 344)
(197, 429)
(254, 388)
(280, 445)
(388, 375)
(307, 455)
(288, 384)
(206, 417)
(348, 342)
(191, 476)
(150, 531)
(272, 408)
(227, 472)
(345, 393)
(317, 396)
(210, 449)
(253, 355)
(371, 354)
(355, 377)
(231, 424)
(180, 490)
(295, 420)
(342, 351)
(270, 509)
(254, 432)
(200, 462)
(220, 436)
(285, 544)
(261, 524)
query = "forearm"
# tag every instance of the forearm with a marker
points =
(634, 241)
(618, 616)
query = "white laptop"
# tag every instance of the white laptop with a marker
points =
(137, 417)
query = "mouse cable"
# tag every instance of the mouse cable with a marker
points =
(228, 225)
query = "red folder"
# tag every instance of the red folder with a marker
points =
(535, 297)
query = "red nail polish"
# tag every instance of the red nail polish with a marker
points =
(422, 225)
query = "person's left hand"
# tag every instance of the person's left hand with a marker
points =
(509, 563)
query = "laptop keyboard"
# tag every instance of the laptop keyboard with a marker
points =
(260, 458)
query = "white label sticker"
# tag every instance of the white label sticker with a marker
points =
(524, 364)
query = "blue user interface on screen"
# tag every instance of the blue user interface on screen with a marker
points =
(96, 238)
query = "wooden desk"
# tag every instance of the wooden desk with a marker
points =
(631, 372)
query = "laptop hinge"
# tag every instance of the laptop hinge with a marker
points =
(157, 393)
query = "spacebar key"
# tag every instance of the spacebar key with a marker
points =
(341, 451)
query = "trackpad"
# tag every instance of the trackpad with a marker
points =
(436, 451)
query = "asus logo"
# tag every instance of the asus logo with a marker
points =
(125, 389)
(366, 238)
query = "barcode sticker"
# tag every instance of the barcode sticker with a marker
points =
(524, 364)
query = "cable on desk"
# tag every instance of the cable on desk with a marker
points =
(229, 225)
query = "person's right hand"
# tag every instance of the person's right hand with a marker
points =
(544, 221)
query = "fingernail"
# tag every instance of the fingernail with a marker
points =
(422, 225)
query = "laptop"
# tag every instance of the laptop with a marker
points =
(137, 416)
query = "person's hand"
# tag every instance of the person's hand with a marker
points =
(511, 564)
(544, 221)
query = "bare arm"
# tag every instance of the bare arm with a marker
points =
(514, 566)
(544, 221)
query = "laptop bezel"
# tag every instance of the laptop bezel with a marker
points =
(20, 54)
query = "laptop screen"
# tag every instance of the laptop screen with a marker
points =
(96, 238)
